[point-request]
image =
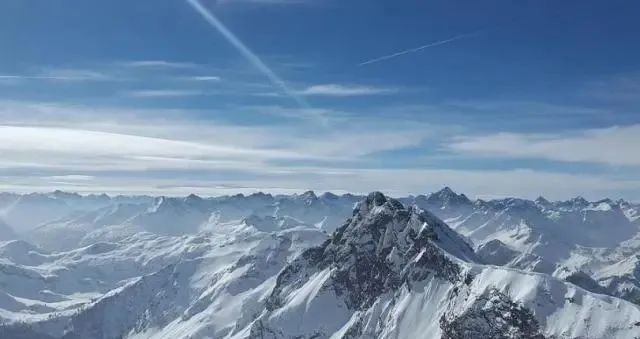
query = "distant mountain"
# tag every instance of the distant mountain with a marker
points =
(72, 225)
(561, 238)
(390, 271)
(308, 265)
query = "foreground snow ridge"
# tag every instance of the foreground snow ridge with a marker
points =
(265, 267)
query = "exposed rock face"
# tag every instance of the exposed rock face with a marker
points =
(385, 252)
(585, 281)
(383, 246)
(445, 203)
(492, 316)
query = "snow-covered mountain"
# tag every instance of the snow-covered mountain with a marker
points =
(396, 272)
(62, 221)
(599, 240)
(198, 284)
(265, 266)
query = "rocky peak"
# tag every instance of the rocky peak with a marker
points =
(376, 203)
(383, 246)
(447, 196)
(575, 203)
(309, 196)
(446, 191)
(237, 196)
(492, 315)
(329, 196)
(192, 198)
(58, 194)
(261, 195)
(542, 202)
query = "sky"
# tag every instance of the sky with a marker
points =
(492, 98)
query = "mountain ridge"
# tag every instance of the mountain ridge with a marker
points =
(393, 264)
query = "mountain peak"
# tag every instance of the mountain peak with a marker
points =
(579, 201)
(383, 245)
(376, 202)
(376, 198)
(447, 196)
(261, 195)
(193, 198)
(58, 194)
(329, 196)
(447, 191)
(542, 201)
(309, 195)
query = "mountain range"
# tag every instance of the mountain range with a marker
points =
(439, 265)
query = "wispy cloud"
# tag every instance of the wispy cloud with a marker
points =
(90, 150)
(33, 133)
(172, 152)
(72, 177)
(205, 78)
(621, 88)
(246, 52)
(617, 146)
(164, 93)
(159, 64)
(337, 90)
(419, 48)
(75, 75)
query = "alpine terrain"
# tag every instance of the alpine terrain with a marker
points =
(317, 266)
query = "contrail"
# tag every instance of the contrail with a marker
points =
(246, 52)
(416, 49)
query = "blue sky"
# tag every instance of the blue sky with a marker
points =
(492, 98)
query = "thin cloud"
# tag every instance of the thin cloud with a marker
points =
(72, 177)
(205, 78)
(159, 64)
(616, 146)
(337, 90)
(165, 93)
(78, 75)
(417, 49)
(83, 149)
(246, 52)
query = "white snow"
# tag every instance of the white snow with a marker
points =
(143, 267)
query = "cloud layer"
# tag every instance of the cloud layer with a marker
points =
(337, 90)
(616, 146)
(88, 149)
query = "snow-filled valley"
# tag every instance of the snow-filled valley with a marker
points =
(317, 266)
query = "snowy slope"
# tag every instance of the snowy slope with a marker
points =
(260, 265)
(542, 236)
(393, 272)
(78, 222)
(6, 232)
(575, 237)
(145, 283)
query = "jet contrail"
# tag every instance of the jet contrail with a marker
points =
(246, 52)
(416, 49)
